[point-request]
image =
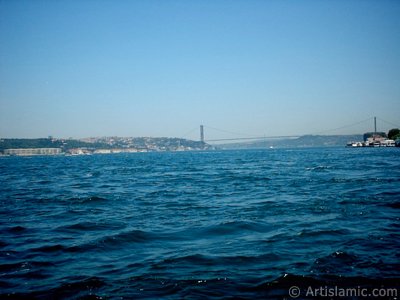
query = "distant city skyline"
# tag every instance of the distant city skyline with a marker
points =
(162, 68)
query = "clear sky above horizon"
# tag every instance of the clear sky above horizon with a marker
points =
(162, 68)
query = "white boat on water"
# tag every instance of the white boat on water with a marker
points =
(388, 143)
(355, 144)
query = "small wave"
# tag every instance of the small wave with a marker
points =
(90, 226)
(337, 257)
(315, 233)
(395, 205)
(342, 262)
(208, 260)
(131, 236)
(91, 199)
(15, 229)
(318, 168)
(234, 227)
(123, 238)
(74, 288)
(197, 259)
(49, 248)
(24, 266)
(114, 241)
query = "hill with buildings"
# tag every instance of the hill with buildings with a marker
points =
(98, 145)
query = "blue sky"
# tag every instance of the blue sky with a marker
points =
(162, 68)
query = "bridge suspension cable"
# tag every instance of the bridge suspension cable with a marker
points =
(189, 132)
(255, 138)
(231, 132)
(389, 123)
(343, 127)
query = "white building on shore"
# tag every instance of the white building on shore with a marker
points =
(32, 151)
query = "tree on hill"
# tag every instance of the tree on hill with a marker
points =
(394, 133)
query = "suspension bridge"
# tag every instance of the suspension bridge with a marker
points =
(235, 136)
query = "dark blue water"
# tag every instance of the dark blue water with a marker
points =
(198, 225)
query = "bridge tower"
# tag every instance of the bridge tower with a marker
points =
(202, 133)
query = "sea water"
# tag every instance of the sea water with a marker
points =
(205, 224)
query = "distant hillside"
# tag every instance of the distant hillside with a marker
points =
(47, 143)
(303, 141)
(174, 144)
(160, 143)
(139, 143)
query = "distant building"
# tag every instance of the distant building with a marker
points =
(116, 150)
(374, 136)
(102, 151)
(32, 151)
(78, 151)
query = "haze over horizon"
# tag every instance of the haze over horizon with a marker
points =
(161, 68)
